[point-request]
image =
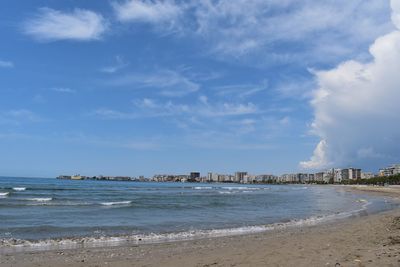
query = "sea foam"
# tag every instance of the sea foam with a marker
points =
(40, 199)
(116, 203)
(202, 188)
(19, 188)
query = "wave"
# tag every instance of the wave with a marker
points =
(36, 202)
(12, 244)
(116, 203)
(202, 187)
(240, 188)
(40, 199)
(4, 194)
(19, 188)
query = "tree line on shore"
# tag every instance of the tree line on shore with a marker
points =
(378, 180)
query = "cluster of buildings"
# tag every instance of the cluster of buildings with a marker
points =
(330, 176)
(391, 170)
(102, 178)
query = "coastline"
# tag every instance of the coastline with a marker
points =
(372, 240)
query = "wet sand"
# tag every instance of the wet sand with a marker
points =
(372, 240)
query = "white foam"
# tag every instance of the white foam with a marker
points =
(4, 194)
(19, 188)
(116, 203)
(240, 188)
(40, 199)
(202, 187)
(227, 192)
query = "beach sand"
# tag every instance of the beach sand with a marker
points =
(372, 240)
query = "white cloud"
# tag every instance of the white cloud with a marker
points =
(228, 109)
(356, 107)
(203, 108)
(168, 82)
(284, 31)
(242, 27)
(147, 11)
(6, 64)
(318, 159)
(119, 64)
(53, 25)
(396, 12)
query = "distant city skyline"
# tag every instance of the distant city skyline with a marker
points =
(132, 87)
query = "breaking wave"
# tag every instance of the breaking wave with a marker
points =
(19, 188)
(40, 199)
(116, 203)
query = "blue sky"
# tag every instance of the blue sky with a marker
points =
(145, 87)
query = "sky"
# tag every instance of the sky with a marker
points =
(143, 87)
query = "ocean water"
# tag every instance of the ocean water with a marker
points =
(36, 212)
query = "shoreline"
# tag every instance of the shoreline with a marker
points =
(14, 245)
(301, 243)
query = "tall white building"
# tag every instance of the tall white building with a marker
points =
(391, 170)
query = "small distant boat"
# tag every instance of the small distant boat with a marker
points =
(76, 177)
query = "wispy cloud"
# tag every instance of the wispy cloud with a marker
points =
(208, 124)
(141, 144)
(168, 82)
(297, 87)
(39, 99)
(19, 116)
(268, 32)
(241, 90)
(147, 11)
(105, 113)
(65, 90)
(6, 64)
(152, 108)
(243, 27)
(53, 25)
(118, 65)
(203, 108)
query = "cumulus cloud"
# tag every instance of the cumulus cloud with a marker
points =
(6, 64)
(396, 12)
(53, 25)
(356, 107)
(146, 11)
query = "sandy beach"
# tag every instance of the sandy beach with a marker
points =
(370, 240)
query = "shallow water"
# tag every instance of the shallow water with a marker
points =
(63, 210)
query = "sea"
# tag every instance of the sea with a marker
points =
(44, 213)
